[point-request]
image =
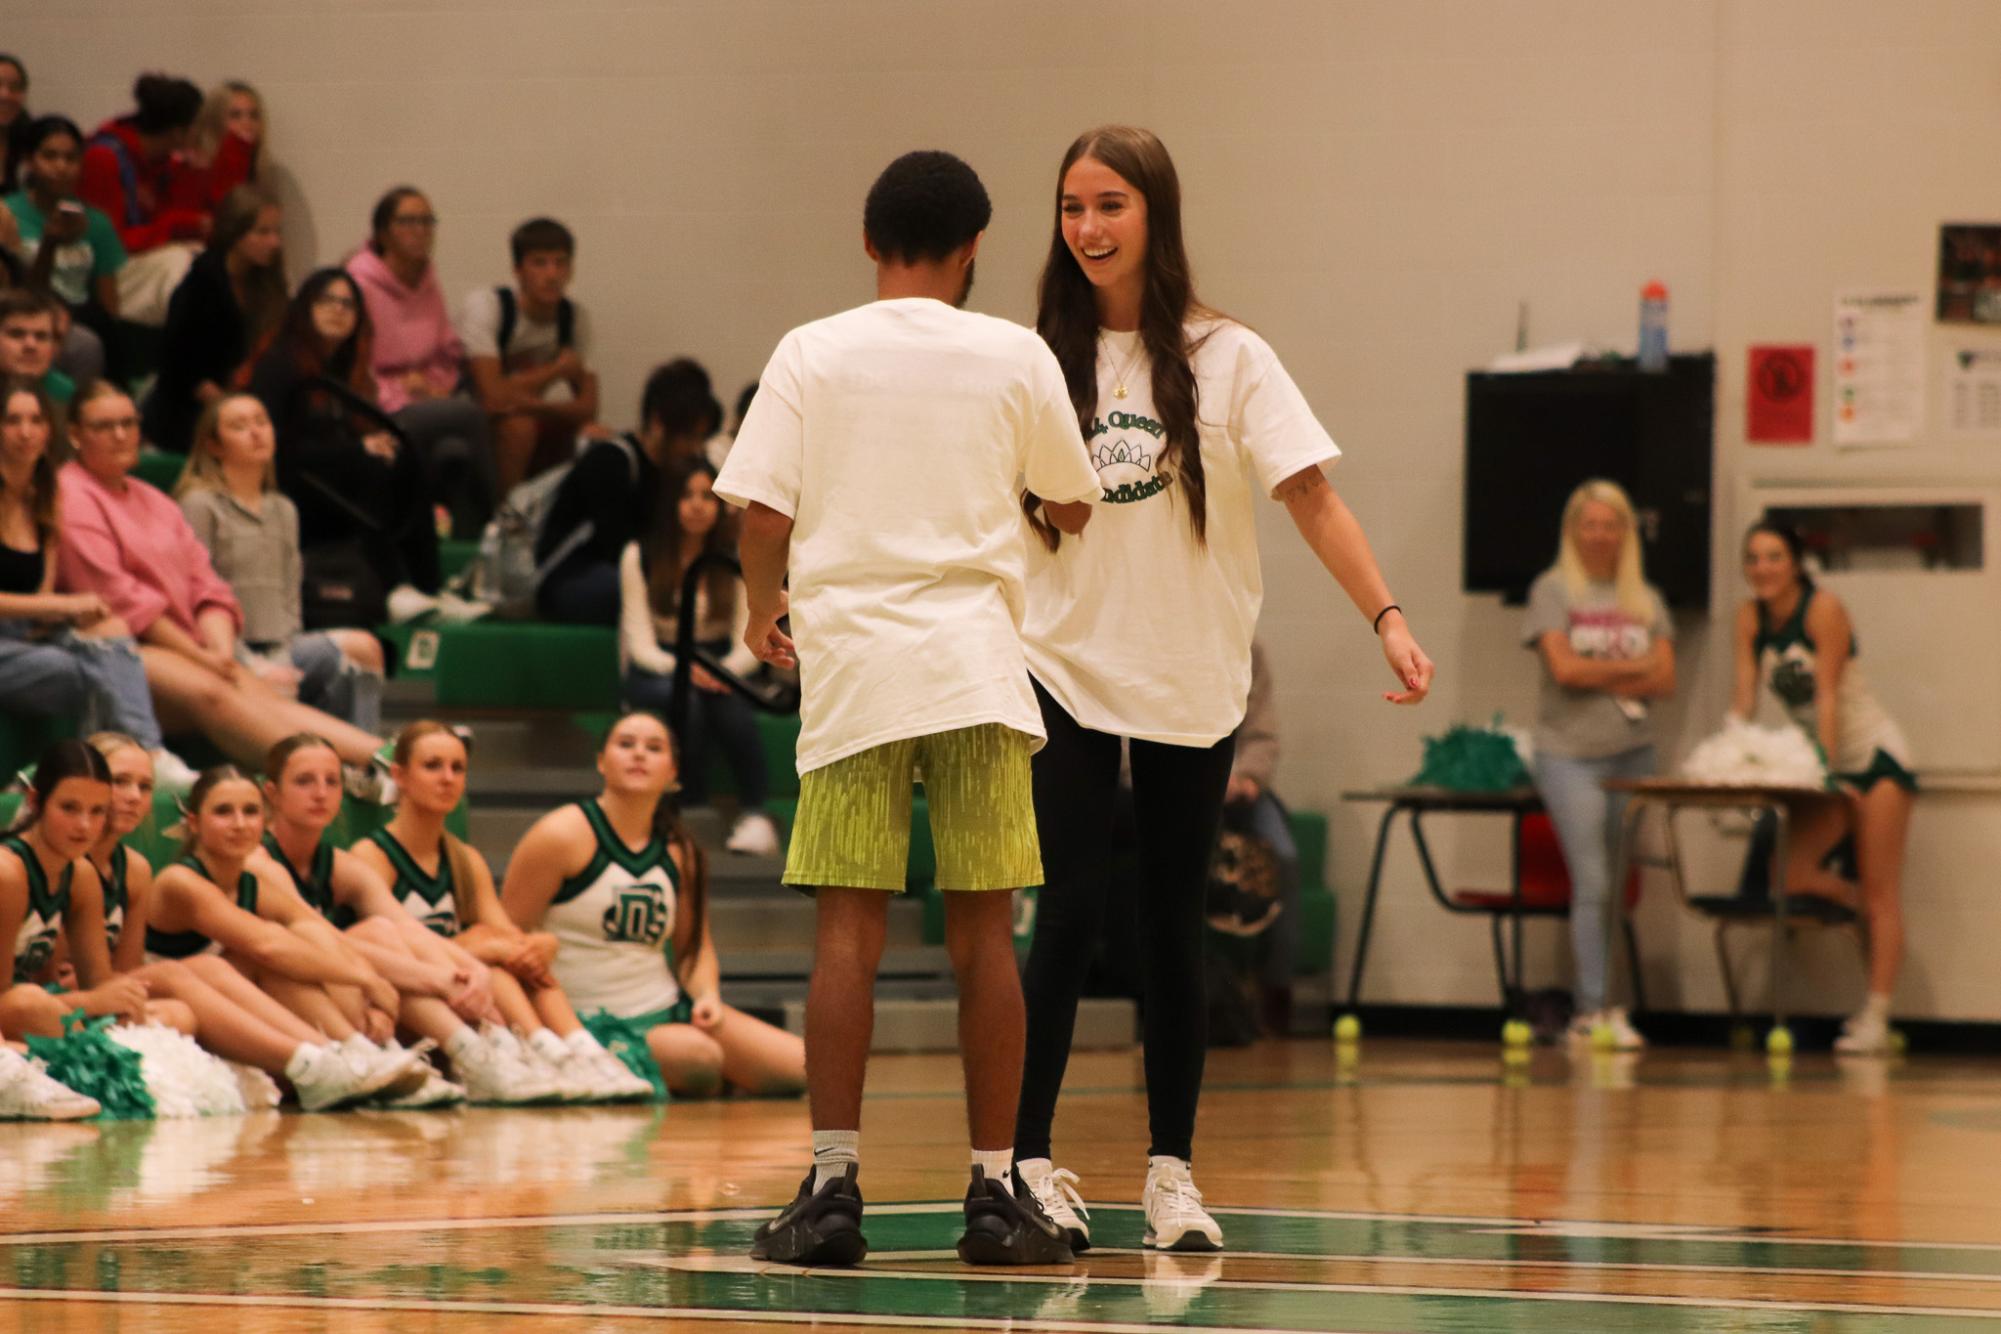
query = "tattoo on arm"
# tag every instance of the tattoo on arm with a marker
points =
(1300, 485)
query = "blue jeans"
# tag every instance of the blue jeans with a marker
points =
(726, 720)
(328, 681)
(101, 680)
(1587, 820)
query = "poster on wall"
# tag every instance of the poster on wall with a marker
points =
(1879, 368)
(1973, 392)
(1969, 273)
(1778, 398)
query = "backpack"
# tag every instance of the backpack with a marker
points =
(507, 573)
(510, 314)
(128, 176)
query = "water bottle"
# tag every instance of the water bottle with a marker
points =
(1653, 326)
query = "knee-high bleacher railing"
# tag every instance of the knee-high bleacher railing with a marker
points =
(777, 696)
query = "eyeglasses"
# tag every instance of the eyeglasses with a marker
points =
(334, 301)
(116, 426)
(415, 220)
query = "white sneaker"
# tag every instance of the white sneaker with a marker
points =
(1864, 1034)
(755, 835)
(27, 1093)
(1175, 1218)
(435, 1091)
(171, 773)
(404, 1071)
(370, 782)
(455, 610)
(1055, 1189)
(325, 1078)
(407, 603)
(492, 1072)
(559, 1067)
(614, 1081)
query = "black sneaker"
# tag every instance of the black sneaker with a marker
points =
(822, 1227)
(1004, 1228)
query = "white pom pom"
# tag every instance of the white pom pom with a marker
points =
(183, 1079)
(1743, 755)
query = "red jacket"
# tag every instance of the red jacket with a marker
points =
(201, 189)
(137, 196)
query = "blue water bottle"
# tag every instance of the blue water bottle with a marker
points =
(1653, 326)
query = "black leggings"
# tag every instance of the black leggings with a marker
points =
(1177, 805)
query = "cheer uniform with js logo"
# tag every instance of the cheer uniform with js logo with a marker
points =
(615, 921)
(35, 942)
(432, 899)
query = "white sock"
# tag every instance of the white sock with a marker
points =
(548, 1046)
(461, 1042)
(833, 1150)
(994, 1163)
(1876, 1007)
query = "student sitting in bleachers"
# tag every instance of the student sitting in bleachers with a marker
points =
(70, 249)
(445, 883)
(688, 522)
(624, 888)
(130, 545)
(60, 653)
(28, 340)
(14, 118)
(1251, 807)
(231, 300)
(606, 500)
(228, 491)
(529, 347)
(418, 360)
(365, 519)
(224, 147)
(129, 169)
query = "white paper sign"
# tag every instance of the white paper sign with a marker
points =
(1973, 391)
(1879, 367)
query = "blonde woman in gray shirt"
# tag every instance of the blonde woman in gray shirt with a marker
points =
(1606, 647)
(229, 492)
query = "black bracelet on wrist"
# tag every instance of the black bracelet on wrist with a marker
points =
(1376, 625)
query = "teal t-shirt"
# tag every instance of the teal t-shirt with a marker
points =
(78, 265)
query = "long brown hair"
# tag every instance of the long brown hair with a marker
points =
(299, 339)
(660, 546)
(209, 781)
(1066, 312)
(692, 911)
(42, 502)
(263, 287)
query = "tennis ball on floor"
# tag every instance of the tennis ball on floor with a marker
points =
(1604, 1037)
(1779, 1042)
(1348, 1028)
(1517, 1033)
(1900, 1042)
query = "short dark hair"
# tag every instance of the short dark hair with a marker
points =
(20, 301)
(541, 234)
(165, 103)
(677, 395)
(925, 205)
(44, 128)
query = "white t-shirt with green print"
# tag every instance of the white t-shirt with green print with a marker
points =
(1133, 627)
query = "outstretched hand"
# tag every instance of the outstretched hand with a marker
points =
(1413, 670)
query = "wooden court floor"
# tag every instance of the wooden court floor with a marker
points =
(1418, 1187)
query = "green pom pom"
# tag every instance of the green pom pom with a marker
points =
(1472, 759)
(627, 1041)
(87, 1060)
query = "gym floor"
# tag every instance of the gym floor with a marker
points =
(1400, 1186)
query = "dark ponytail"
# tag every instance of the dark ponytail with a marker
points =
(60, 761)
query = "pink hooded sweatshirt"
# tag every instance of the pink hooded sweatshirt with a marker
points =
(412, 330)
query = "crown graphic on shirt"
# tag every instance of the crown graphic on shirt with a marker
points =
(1105, 455)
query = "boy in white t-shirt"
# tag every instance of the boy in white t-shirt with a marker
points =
(882, 460)
(528, 349)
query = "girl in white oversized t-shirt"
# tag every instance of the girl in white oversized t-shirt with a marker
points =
(1140, 629)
